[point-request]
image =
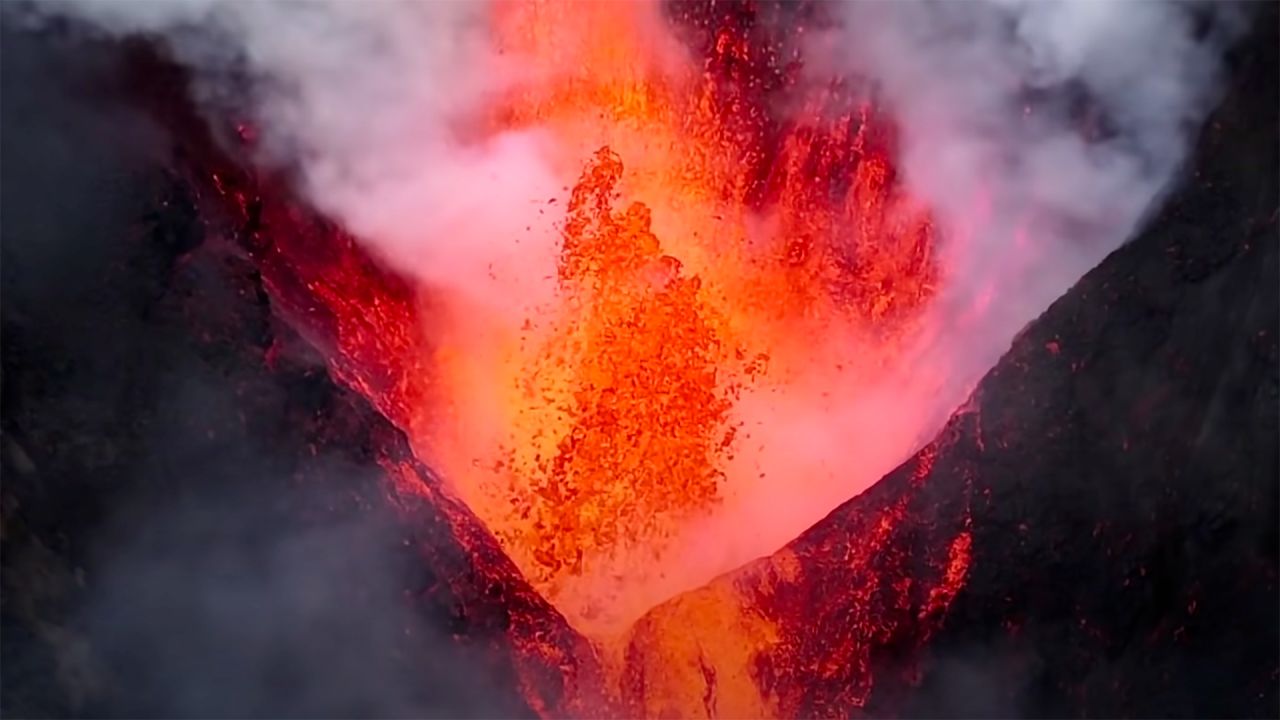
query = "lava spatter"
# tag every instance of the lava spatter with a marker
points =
(628, 409)
(613, 410)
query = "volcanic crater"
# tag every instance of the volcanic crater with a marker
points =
(1093, 532)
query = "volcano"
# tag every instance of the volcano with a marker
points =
(243, 475)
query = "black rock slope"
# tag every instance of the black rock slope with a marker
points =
(1124, 464)
(196, 519)
(1116, 473)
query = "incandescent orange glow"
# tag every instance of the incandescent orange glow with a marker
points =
(625, 412)
(722, 284)
(706, 251)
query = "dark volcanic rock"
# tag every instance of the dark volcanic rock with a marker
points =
(1124, 468)
(1110, 495)
(196, 519)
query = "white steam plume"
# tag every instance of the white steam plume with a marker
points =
(365, 101)
(368, 104)
(1038, 131)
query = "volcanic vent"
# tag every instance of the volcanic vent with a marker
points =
(634, 377)
(706, 278)
(709, 299)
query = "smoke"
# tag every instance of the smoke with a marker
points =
(1038, 133)
(374, 109)
(159, 556)
(216, 606)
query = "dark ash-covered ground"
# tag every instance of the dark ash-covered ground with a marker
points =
(193, 520)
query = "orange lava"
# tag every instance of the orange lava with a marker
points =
(625, 412)
(706, 249)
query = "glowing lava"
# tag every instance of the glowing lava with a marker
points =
(707, 252)
(623, 411)
(723, 282)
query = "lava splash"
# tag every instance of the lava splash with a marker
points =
(713, 261)
(718, 271)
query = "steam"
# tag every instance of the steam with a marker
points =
(369, 105)
(159, 558)
(1039, 133)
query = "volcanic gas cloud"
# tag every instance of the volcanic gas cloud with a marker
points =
(683, 278)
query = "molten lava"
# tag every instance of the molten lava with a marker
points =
(708, 251)
(714, 264)
(624, 412)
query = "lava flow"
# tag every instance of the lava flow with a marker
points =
(723, 279)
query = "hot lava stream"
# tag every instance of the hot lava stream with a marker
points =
(718, 283)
